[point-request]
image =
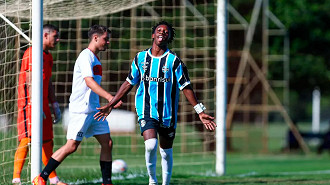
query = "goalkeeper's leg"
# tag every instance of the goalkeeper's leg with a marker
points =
(20, 156)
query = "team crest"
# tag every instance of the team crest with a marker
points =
(165, 69)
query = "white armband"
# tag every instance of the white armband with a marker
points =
(199, 108)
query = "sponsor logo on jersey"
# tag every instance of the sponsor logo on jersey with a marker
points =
(145, 65)
(154, 79)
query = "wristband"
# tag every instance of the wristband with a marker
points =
(199, 107)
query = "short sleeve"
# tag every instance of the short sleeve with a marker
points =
(181, 73)
(134, 75)
(85, 64)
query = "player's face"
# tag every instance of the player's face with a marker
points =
(51, 39)
(161, 35)
(103, 41)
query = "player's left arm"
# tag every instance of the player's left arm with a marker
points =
(206, 119)
(55, 105)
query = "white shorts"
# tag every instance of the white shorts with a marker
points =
(83, 125)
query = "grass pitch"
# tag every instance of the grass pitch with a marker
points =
(241, 169)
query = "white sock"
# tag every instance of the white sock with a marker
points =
(16, 181)
(167, 164)
(151, 158)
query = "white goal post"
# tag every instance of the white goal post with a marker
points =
(37, 64)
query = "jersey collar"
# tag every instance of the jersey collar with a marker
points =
(165, 53)
(94, 54)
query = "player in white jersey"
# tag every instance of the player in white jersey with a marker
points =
(159, 75)
(84, 100)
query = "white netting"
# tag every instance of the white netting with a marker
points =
(69, 9)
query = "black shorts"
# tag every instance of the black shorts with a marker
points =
(150, 123)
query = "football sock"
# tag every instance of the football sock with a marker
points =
(20, 156)
(167, 164)
(106, 167)
(47, 152)
(151, 158)
(51, 166)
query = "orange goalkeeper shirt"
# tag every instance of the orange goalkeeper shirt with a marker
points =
(24, 104)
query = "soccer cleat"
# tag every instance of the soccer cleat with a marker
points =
(153, 183)
(107, 184)
(38, 181)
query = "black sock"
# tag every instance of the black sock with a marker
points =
(106, 167)
(51, 166)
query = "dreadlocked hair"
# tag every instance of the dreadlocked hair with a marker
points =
(170, 28)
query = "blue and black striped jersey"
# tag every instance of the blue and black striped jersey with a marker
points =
(158, 81)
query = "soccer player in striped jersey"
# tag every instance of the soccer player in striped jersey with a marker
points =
(159, 75)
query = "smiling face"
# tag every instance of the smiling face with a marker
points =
(161, 35)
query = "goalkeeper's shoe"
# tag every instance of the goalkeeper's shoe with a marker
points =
(38, 181)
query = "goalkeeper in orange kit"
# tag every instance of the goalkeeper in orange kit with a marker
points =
(50, 39)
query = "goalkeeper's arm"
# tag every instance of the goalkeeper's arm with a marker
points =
(55, 105)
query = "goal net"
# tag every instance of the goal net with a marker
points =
(130, 23)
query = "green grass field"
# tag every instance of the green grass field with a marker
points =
(240, 169)
(247, 165)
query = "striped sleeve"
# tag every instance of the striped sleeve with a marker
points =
(181, 73)
(134, 73)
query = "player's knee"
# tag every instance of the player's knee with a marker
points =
(71, 148)
(110, 144)
(151, 144)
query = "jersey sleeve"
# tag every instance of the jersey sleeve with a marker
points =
(26, 60)
(181, 73)
(134, 75)
(85, 64)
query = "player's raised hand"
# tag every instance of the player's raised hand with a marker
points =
(208, 121)
(103, 113)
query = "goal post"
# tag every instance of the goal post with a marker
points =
(36, 101)
(221, 87)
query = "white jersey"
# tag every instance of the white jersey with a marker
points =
(83, 99)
